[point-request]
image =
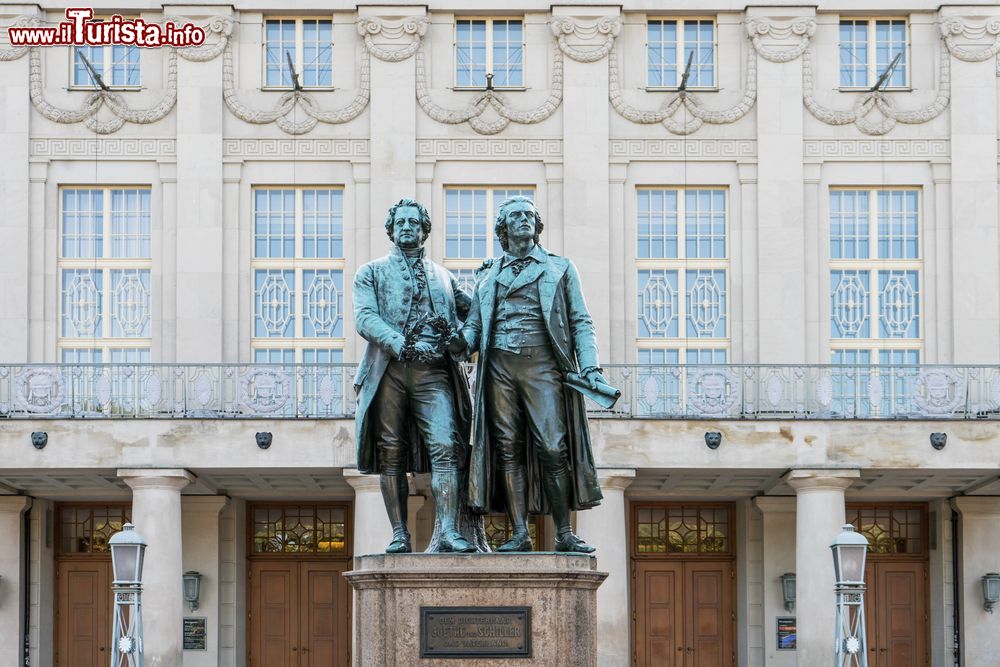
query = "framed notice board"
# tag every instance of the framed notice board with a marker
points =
(785, 633)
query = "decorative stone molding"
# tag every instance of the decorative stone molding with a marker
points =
(953, 28)
(801, 29)
(490, 99)
(670, 149)
(281, 149)
(219, 25)
(876, 101)
(875, 149)
(564, 27)
(370, 26)
(15, 52)
(503, 149)
(671, 105)
(295, 99)
(66, 148)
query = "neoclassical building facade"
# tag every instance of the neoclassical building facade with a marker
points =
(785, 218)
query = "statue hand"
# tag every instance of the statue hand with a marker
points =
(457, 344)
(426, 351)
(593, 376)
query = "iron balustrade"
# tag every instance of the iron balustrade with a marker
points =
(325, 391)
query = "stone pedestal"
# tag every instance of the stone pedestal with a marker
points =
(559, 589)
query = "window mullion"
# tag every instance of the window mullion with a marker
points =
(300, 47)
(489, 47)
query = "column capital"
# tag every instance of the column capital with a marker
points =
(821, 478)
(204, 504)
(14, 504)
(615, 478)
(362, 481)
(156, 478)
(976, 505)
(775, 504)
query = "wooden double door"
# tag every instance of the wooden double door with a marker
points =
(683, 613)
(896, 614)
(83, 612)
(299, 613)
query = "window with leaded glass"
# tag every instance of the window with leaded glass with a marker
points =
(868, 47)
(470, 215)
(682, 529)
(499, 530)
(298, 529)
(891, 530)
(298, 273)
(117, 65)
(875, 304)
(307, 44)
(86, 529)
(105, 262)
(669, 44)
(682, 261)
(489, 46)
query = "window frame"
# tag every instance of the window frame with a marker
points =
(680, 19)
(298, 265)
(105, 342)
(471, 263)
(489, 50)
(732, 536)
(299, 50)
(872, 72)
(874, 344)
(108, 63)
(683, 343)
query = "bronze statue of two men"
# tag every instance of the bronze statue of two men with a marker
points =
(537, 357)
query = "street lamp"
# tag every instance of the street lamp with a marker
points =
(127, 553)
(849, 552)
(192, 588)
(788, 590)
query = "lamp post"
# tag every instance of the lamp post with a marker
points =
(127, 552)
(849, 552)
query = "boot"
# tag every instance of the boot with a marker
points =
(445, 487)
(557, 489)
(516, 493)
(395, 494)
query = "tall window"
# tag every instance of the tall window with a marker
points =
(117, 65)
(470, 214)
(875, 286)
(867, 48)
(669, 44)
(298, 275)
(104, 275)
(308, 43)
(682, 264)
(489, 46)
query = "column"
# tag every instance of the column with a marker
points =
(202, 553)
(392, 114)
(199, 296)
(371, 530)
(41, 332)
(974, 233)
(156, 514)
(14, 190)
(778, 519)
(232, 176)
(979, 543)
(745, 334)
(606, 527)
(619, 341)
(12, 571)
(780, 201)
(586, 184)
(819, 517)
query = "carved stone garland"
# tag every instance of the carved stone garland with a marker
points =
(879, 101)
(952, 28)
(803, 29)
(115, 102)
(671, 105)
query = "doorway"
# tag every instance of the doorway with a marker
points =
(683, 581)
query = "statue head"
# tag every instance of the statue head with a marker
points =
(408, 224)
(39, 439)
(517, 216)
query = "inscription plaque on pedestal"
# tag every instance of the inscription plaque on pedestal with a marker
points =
(475, 632)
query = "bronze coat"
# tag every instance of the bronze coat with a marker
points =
(383, 293)
(574, 342)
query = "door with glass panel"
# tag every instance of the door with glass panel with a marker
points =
(299, 602)
(683, 580)
(84, 602)
(897, 617)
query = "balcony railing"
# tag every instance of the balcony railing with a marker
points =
(325, 391)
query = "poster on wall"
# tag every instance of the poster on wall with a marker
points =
(786, 633)
(195, 634)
